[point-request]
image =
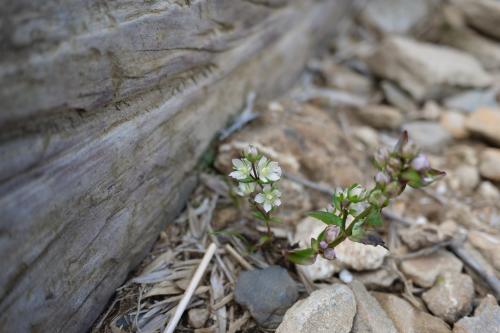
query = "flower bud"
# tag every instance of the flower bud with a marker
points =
(393, 189)
(420, 163)
(356, 193)
(377, 198)
(409, 150)
(381, 157)
(329, 253)
(331, 233)
(382, 178)
(323, 244)
(251, 153)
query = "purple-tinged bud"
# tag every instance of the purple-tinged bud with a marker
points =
(329, 253)
(382, 178)
(409, 150)
(381, 157)
(420, 163)
(393, 189)
(331, 233)
(323, 244)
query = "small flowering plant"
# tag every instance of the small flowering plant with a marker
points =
(257, 178)
(354, 211)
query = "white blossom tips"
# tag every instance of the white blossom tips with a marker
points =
(268, 198)
(242, 169)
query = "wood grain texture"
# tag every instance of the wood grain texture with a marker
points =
(106, 108)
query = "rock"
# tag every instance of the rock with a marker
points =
(407, 319)
(343, 78)
(488, 191)
(295, 201)
(360, 257)
(266, 293)
(481, 14)
(489, 164)
(486, 318)
(421, 235)
(451, 297)
(429, 136)
(397, 16)
(430, 111)
(424, 270)
(327, 310)
(467, 178)
(198, 317)
(470, 101)
(370, 317)
(454, 123)
(398, 98)
(321, 268)
(345, 276)
(378, 279)
(425, 70)
(381, 116)
(483, 49)
(488, 244)
(485, 123)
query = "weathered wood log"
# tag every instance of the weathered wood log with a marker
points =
(106, 107)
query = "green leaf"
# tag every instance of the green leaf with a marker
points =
(263, 240)
(275, 219)
(413, 178)
(326, 217)
(260, 216)
(302, 257)
(322, 235)
(314, 245)
(374, 219)
(358, 232)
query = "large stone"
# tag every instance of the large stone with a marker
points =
(381, 278)
(267, 293)
(370, 317)
(429, 136)
(426, 71)
(465, 178)
(470, 101)
(425, 269)
(328, 310)
(486, 318)
(421, 235)
(407, 319)
(489, 164)
(451, 297)
(485, 123)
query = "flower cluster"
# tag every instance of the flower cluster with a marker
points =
(256, 173)
(356, 210)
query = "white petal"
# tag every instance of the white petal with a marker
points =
(237, 163)
(267, 206)
(277, 202)
(276, 193)
(262, 163)
(259, 198)
(274, 177)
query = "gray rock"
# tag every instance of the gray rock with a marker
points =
(429, 136)
(486, 318)
(370, 317)
(466, 178)
(421, 235)
(408, 319)
(471, 100)
(378, 279)
(481, 14)
(488, 244)
(381, 116)
(485, 123)
(489, 164)
(327, 310)
(451, 297)
(425, 269)
(425, 70)
(266, 293)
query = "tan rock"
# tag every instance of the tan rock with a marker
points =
(424, 270)
(370, 317)
(454, 122)
(407, 319)
(426, 70)
(465, 177)
(488, 191)
(451, 297)
(486, 319)
(489, 165)
(198, 317)
(327, 310)
(481, 14)
(381, 116)
(421, 235)
(485, 122)
(377, 279)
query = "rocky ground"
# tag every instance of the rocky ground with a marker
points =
(430, 67)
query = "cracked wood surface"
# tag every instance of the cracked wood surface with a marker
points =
(106, 107)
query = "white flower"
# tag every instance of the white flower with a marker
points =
(251, 153)
(242, 169)
(268, 170)
(269, 198)
(246, 189)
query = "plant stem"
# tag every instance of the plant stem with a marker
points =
(343, 235)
